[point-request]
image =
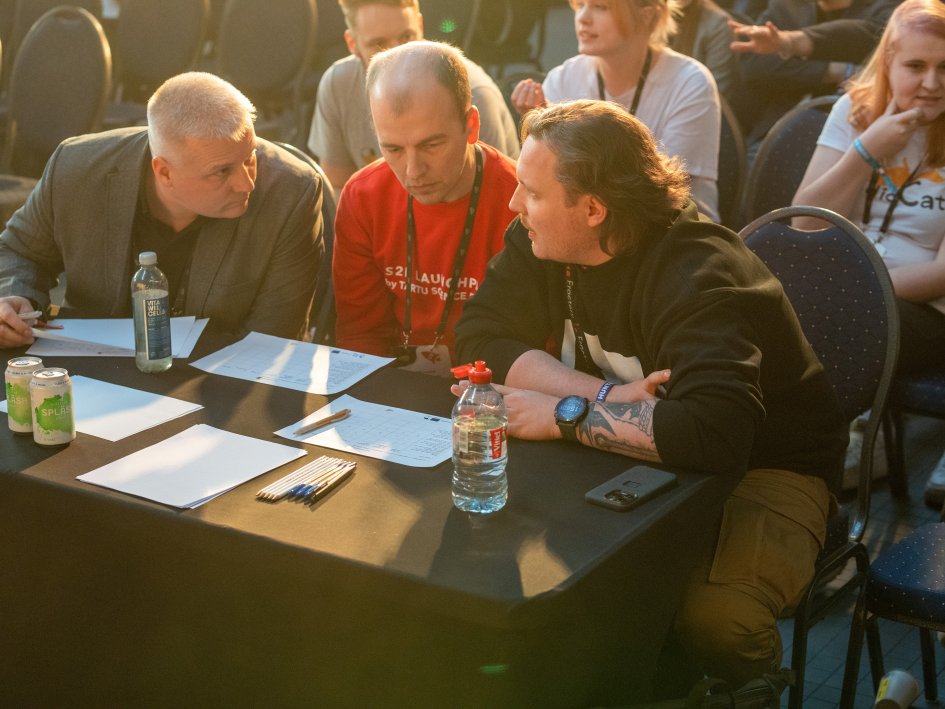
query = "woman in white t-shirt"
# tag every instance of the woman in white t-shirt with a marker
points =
(624, 58)
(880, 162)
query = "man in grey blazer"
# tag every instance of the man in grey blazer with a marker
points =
(235, 220)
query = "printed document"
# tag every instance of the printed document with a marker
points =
(109, 337)
(378, 431)
(302, 366)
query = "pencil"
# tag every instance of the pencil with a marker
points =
(308, 428)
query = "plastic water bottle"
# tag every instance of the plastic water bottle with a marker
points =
(152, 316)
(480, 449)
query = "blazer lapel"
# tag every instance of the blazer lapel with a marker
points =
(213, 243)
(122, 186)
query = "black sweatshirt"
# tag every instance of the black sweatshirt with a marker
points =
(746, 390)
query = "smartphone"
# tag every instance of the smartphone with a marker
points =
(631, 488)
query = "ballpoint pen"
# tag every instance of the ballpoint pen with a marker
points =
(308, 428)
(327, 486)
(35, 315)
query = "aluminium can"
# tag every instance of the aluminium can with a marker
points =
(51, 399)
(17, 378)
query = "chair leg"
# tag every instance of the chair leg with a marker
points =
(894, 430)
(928, 664)
(799, 650)
(854, 650)
(875, 650)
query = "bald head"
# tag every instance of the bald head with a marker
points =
(397, 75)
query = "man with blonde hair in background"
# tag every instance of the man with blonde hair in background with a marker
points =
(235, 220)
(342, 134)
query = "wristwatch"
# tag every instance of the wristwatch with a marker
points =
(569, 412)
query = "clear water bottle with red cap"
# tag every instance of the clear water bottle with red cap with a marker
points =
(480, 448)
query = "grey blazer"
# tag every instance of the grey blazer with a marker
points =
(256, 272)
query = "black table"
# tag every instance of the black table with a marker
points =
(381, 595)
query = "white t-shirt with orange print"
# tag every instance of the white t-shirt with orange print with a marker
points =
(917, 226)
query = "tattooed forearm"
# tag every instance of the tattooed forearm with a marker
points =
(621, 428)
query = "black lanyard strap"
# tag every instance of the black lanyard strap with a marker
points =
(583, 360)
(638, 91)
(458, 261)
(871, 190)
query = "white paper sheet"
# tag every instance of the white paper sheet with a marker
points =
(113, 412)
(109, 337)
(378, 431)
(192, 467)
(302, 366)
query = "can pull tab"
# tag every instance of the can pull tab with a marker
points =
(477, 373)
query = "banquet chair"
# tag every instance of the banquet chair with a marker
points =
(322, 330)
(452, 21)
(59, 86)
(920, 393)
(264, 49)
(25, 15)
(153, 42)
(733, 165)
(843, 297)
(503, 34)
(782, 158)
(905, 584)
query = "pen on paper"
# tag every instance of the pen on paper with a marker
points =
(35, 315)
(308, 428)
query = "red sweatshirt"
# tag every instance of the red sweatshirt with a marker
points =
(369, 263)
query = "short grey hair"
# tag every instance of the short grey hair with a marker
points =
(197, 105)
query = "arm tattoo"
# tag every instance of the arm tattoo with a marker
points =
(621, 428)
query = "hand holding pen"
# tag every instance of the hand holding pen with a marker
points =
(15, 321)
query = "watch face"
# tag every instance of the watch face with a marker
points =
(571, 408)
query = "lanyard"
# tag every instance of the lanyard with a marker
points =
(583, 362)
(638, 91)
(871, 189)
(458, 261)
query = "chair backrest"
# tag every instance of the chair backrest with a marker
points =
(733, 165)
(510, 32)
(59, 87)
(157, 40)
(508, 83)
(782, 158)
(323, 301)
(843, 296)
(264, 46)
(452, 21)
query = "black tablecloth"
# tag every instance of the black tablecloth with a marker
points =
(380, 595)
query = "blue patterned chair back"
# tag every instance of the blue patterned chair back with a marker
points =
(782, 158)
(841, 292)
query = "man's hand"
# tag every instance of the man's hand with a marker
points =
(14, 331)
(639, 390)
(768, 39)
(531, 414)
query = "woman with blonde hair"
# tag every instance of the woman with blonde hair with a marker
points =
(880, 162)
(624, 58)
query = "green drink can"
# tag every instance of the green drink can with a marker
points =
(51, 399)
(18, 375)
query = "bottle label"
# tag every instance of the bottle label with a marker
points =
(157, 329)
(497, 439)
